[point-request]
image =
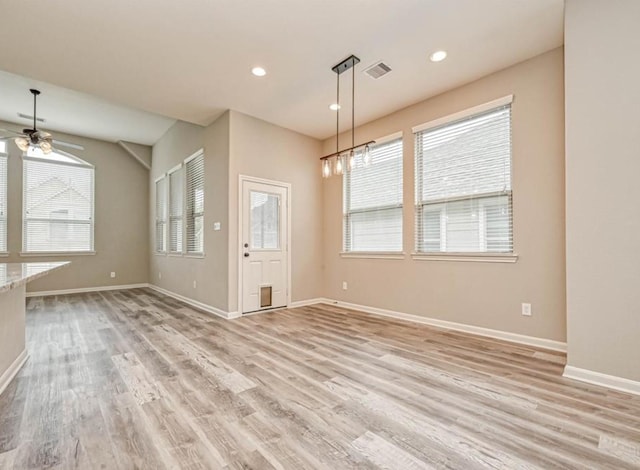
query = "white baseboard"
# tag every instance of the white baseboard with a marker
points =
(477, 330)
(187, 300)
(12, 371)
(604, 380)
(305, 303)
(84, 289)
(195, 303)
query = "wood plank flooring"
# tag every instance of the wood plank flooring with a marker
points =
(134, 379)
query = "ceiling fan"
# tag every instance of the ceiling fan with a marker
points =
(34, 137)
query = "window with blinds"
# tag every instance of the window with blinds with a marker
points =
(176, 209)
(463, 184)
(373, 201)
(3, 196)
(161, 214)
(58, 203)
(194, 168)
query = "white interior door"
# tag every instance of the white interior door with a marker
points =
(264, 249)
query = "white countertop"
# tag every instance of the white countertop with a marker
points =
(13, 275)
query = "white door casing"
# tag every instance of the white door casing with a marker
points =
(264, 245)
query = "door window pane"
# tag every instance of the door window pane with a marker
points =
(265, 221)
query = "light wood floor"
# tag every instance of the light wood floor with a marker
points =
(133, 379)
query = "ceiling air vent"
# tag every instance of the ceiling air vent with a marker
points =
(377, 70)
(30, 118)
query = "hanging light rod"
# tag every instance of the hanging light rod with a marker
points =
(326, 157)
(340, 155)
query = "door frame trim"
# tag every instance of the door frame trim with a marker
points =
(280, 184)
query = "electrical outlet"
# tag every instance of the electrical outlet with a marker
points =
(344, 285)
(113, 274)
(526, 310)
(195, 284)
(159, 275)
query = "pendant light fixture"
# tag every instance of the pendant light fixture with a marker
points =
(340, 159)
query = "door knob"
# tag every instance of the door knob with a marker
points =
(246, 255)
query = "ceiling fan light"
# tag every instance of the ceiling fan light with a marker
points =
(22, 143)
(45, 146)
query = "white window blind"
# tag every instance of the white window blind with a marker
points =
(463, 184)
(3, 197)
(373, 201)
(195, 203)
(58, 199)
(161, 214)
(176, 209)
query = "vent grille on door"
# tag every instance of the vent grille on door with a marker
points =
(377, 70)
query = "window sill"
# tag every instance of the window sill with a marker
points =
(180, 255)
(56, 253)
(4, 254)
(467, 257)
(373, 254)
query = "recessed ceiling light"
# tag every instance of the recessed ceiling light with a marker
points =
(438, 56)
(334, 107)
(258, 71)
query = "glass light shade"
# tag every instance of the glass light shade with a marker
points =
(45, 146)
(326, 168)
(339, 165)
(352, 160)
(366, 156)
(22, 143)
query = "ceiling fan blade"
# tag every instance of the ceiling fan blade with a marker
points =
(67, 144)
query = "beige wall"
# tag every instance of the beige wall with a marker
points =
(237, 144)
(482, 294)
(603, 193)
(209, 272)
(121, 212)
(264, 150)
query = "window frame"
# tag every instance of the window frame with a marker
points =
(420, 205)
(193, 216)
(182, 166)
(170, 218)
(78, 163)
(161, 221)
(347, 252)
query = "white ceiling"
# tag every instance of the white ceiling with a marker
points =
(191, 59)
(78, 113)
